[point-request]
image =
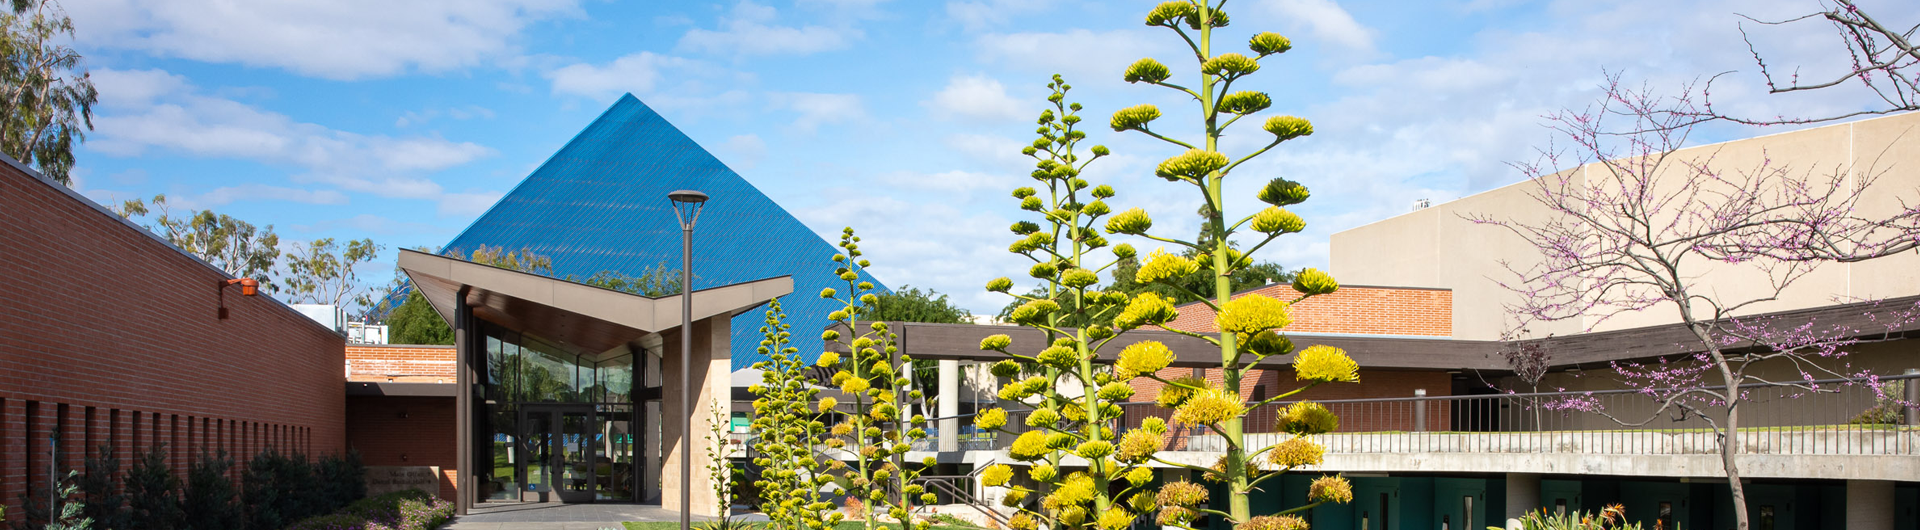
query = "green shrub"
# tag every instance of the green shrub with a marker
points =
(105, 505)
(153, 492)
(209, 501)
(1610, 518)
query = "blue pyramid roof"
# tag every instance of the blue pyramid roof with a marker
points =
(600, 203)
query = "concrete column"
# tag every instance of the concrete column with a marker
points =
(1523, 495)
(949, 405)
(1913, 397)
(1869, 505)
(1420, 410)
(711, 369)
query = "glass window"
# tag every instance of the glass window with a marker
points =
(615, 378)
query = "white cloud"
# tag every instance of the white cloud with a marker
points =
(977, 97)
(744, 151)
(1080, 54)
(256, 192)
(949, 182)
(179, 119)
(975, 15)
(467, 204)
(1326, 20)
(748, 30)
(997, 151)
(333, 39)
(820, 109)
(638, 72)
(370, 223)
(421, 117)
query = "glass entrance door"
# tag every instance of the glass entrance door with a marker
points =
(559, 458)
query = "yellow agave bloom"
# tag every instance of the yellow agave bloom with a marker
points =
(1115, 518)
(1296, 452)
(1252, 313)
(1307, 417)
(1275, 522)
(1325, 364)
(1142, 358)
(993, 418)
(1330, 488)
(1163, 266)
(1182, 493)
(996, 475)
(1144, 309)
(1209, 407)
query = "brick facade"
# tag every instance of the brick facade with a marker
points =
(110, 336)
(405, 431)
(400, 363)
(1352, 309)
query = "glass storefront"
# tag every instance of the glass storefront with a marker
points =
(565, 426)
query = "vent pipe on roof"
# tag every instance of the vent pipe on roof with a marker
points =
(1421, 204)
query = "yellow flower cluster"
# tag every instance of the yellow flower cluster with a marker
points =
(1142, 358)
(1059, 357)
(1252, 313)
(828, 359)
(1230, 64)
(1145, 309)
(1274, 522)
(1209, 407)
(1182, 388)
(1296, 452)
(1176, 516)
(1093, 449)
(1269, 43)
(1043, 473)
(1134, 117)
(995, 342)
(1076, 490)
(1140, 476)
(1314, 282)
(1042, 417)
(1268, 344)
(1288, 127)
(1182, 493)
(1022, 521)
(1033, 311)
(1147, 70)
(1115, 391)
(1245, 102)
(1137, 445)
(1031, 445)
(1332, 488)
(1277, 220)
(1115, 518)
(1134, 221)
(827, 404)
(1161, 266)
(1283, 192)
(1306, 417)
(854, 385)
(996, 475)
(1325, 364)
(1191, 165)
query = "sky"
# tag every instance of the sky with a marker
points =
(403, 121)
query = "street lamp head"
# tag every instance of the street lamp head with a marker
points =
(687, 196)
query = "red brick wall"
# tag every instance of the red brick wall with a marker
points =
(405, 431)
(401, 363)
(1352, 309)
(100, 320)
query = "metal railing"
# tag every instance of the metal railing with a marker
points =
(1840, 418)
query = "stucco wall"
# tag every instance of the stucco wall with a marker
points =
(1439, 247)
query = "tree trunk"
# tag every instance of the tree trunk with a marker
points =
(1729, 448)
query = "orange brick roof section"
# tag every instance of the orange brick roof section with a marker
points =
(400, 363)
(1360, 310)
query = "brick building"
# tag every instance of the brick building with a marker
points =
(111, 336)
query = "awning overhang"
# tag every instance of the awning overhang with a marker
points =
(576, 315)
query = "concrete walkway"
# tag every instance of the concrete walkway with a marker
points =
(554, 516)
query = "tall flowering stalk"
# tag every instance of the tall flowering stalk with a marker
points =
(788, 433)
(1249, 325)
(1076, 402)
(874, 374)
(1633, 224)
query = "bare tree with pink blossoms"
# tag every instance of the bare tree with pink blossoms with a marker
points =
(1881, 57)
(1636, 225)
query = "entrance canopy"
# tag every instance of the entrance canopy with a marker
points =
(581, 316)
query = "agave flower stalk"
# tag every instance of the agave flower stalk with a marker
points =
(1248, 326)
(789, 434)
(874, 374)
(1076, 401)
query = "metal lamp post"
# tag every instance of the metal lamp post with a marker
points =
(686, 209)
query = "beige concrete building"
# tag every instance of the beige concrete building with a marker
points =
(1441, 247)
